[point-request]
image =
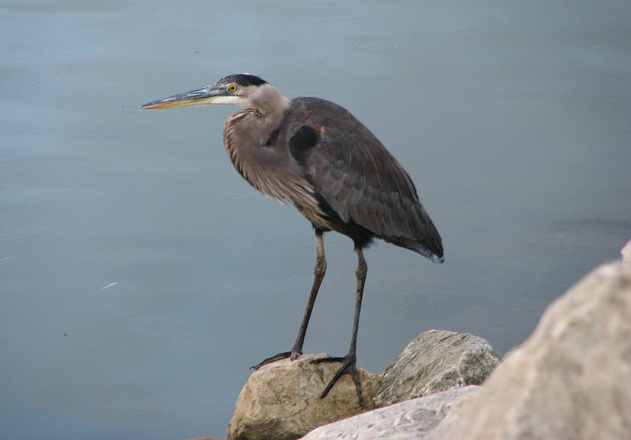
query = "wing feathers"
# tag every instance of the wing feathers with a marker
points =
(362, 181)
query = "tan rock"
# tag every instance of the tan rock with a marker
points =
(570, 380)
(281, 401)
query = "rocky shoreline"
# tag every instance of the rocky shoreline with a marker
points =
(281, 401)
(569, 380)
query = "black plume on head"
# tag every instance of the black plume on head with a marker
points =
(242, 79)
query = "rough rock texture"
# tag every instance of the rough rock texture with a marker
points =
(570, 380)
(281, 401)
(412, 419)
(453, 417)
(434, 361)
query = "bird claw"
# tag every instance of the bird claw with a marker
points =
(348, 367)
(292, 355)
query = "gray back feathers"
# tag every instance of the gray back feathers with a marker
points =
(361, 180)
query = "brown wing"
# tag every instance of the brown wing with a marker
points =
(361, 180)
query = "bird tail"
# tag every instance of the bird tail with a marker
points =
(434, 254)
(425, 239)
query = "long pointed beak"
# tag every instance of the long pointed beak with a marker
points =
(203, 96)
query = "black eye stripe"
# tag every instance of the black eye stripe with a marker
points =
(242, 79)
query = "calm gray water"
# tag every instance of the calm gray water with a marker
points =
(140, 277)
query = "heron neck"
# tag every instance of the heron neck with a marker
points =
(268, 101)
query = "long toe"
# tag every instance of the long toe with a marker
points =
(328, 360)
(348, 367)
(293, 355)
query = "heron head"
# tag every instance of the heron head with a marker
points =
(232, 89)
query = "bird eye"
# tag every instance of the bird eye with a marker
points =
(231, 88)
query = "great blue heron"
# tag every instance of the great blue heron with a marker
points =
(314, 154)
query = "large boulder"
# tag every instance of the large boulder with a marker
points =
(281, 401)
(436, 360)
(412, 419)
(571, 379)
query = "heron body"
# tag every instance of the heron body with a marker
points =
(316, 155)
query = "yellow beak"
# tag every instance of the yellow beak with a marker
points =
(203, 96)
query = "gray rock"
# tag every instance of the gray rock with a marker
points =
(412, 419)
(570, 380)
(434, 361)
(281, 401)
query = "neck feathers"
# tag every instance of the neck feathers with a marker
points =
(268, 101)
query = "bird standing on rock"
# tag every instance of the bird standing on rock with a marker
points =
(314, 154)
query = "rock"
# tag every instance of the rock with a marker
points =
(453, 416)
(412, 419)
(571, 379)
(626, 251)
(434, 361)
(281, 401)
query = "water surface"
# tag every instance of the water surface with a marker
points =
(140, 277)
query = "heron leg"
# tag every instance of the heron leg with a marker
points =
(350, 360)
(318, 276)
(319, 272)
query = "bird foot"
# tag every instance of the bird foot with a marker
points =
(292, 355)
(348, 367)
